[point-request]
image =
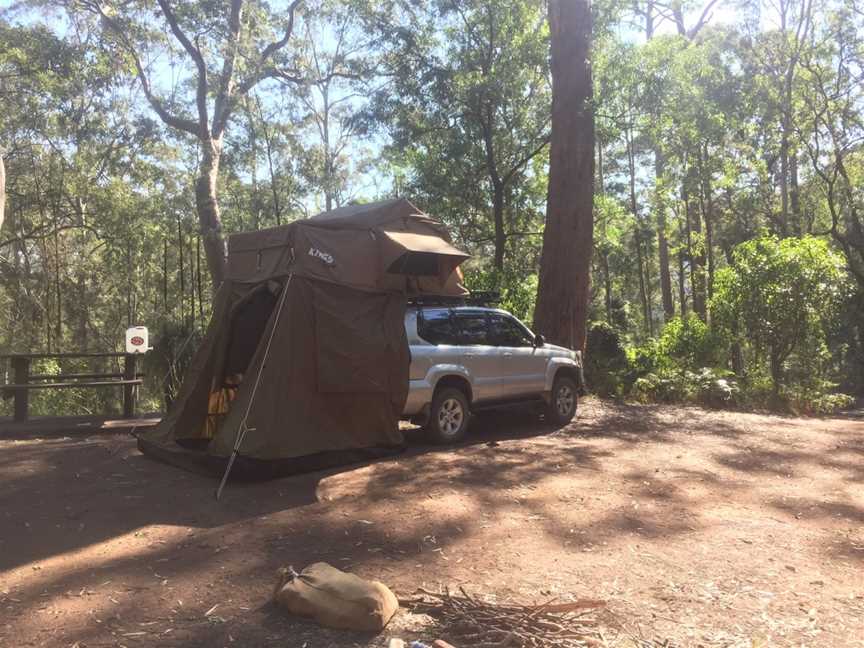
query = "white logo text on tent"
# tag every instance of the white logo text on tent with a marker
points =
(324, 256)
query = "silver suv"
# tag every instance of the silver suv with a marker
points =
(468, 358)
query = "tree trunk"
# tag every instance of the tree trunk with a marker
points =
(659, 170)
(607, 285)
(738, 365)
(643, 292)
(776, 376)
(706, 203)
(255, 200)
(2, 190)
(795, 195)
(662, 242)
(562, 297)
(165, 310)
(695, 251)
(784, 181)
(200, 283)
(268, 142)
(497, 188)
(207, 207)
(325, 141)
(709, 244)
(637, 236)
(498, 219)
(682, 292)
(604, 252)
(58, 323)
(182, 274)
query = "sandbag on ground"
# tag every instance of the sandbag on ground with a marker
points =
(335, 598)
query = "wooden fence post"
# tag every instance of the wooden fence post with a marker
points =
(21, 369)
(129, 373)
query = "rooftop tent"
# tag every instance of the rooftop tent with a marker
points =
(307, 346)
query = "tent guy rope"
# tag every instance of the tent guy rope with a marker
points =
(244, 428)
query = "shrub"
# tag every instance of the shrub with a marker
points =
(777, 296)
(606, 362)
(714, 387)
(831, 403)
(659, 387)
(644, 359)
(690, 343)
(709, 387)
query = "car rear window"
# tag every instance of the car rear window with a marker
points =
(436, 326)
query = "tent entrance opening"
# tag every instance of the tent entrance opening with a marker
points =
(248, 323)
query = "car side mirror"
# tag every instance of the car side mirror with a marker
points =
(539, 340)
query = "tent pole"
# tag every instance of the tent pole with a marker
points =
(243, 429)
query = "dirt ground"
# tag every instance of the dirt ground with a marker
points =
(699, 528)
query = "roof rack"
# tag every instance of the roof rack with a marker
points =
(486, 298)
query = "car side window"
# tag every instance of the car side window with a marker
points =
(506, 331)
(473, 327)
(435, 325)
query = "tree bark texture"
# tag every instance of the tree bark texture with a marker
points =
(562, 298)
(207, 207)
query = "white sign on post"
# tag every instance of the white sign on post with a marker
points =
(137, 340)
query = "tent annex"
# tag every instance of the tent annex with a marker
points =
(306, 357)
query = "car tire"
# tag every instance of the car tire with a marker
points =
(562, 401)
(448, 416)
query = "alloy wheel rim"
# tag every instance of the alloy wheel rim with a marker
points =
(564, 400)
(450, 417)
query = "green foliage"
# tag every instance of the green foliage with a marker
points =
(736, 146)
(831, 403)
(708, 387)
(467, 112)
(606, 363)
(778, 295)
(690, 343)
(518, 292)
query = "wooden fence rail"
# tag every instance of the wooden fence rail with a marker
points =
(24, 381)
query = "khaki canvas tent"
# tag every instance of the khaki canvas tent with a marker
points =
(306, 350)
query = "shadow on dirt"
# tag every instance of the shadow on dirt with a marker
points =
(83, 490)
(86, 507)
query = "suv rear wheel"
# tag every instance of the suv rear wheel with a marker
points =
(448, 416)
(562, 402)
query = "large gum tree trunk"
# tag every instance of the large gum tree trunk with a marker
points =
(207, 207)
(562, 297)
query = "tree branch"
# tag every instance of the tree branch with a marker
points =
(39, 233)
(526, 159)
(198, 58)
(261, 70)
(694, 31)
(226, 83)
(227, 100)
(175, 121)
(293, 76)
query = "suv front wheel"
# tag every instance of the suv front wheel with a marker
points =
(448, 416)
(562, 401)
